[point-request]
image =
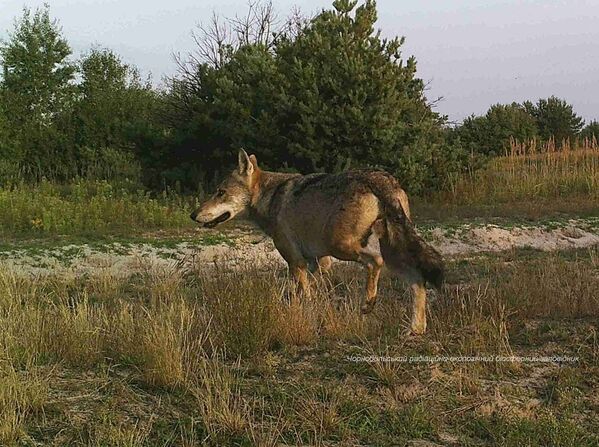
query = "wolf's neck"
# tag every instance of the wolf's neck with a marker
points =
(267, 197)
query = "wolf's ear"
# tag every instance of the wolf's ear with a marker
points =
(245, 164)
(254, 161)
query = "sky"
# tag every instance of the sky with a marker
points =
(471, 53)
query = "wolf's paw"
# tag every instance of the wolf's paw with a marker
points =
(367, 308)
(418, 327)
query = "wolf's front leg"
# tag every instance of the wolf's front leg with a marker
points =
(300, 274)
(419, 308)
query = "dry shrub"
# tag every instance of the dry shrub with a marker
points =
(111, 433)
(341, 297)
(331, 310)
(242, 305)
(162, 285)
(104, 288)
(318, 414)
(471, 320)
(22, 337)
(532, 171)
(164, 342)
(551, 287)
(41, 320)
(21, 394)
(387, 363)
(75, 333)
(343, 321)
(181, 332)
(171, 343)
(216, 389)
(297, 321)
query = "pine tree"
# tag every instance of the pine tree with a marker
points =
(555, 118)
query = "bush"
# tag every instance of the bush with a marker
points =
(490, 134)
(330, 95)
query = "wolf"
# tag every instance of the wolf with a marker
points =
(360, 215)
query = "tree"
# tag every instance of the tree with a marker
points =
(555, 118)
(490, 134)
(36, 87)
(113, 100)
(35, 67)
(8, 150)
(591, 130)
(322, 95)
(113, 111)
(360, 102)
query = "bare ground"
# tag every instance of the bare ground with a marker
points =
(242, 244)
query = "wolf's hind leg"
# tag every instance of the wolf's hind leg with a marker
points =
(414, 278)
(374, 270)
(324, 264)
(366, 251)
(370, 255)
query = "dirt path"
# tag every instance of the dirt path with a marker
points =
(241, 246)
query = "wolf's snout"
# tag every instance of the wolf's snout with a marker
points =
(193, 215)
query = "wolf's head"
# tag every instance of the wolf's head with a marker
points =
(232, 196)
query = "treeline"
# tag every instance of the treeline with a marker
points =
(547, 119)
(320, 94)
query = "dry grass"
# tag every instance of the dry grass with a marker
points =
(530, 180)
(230, 358)
(529, 171)
(22, 394)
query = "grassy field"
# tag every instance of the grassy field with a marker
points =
(529, 183)
(183, 358)
(88, 208)
(211, 355)
(528, 172)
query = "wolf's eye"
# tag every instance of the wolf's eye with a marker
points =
(220, 193)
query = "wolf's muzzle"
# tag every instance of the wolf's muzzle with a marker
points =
(214, 222)
(193, 215)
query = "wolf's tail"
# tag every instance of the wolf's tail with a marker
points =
(401, 247)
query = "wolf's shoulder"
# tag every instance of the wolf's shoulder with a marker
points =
(327, 182)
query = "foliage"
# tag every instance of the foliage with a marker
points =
(86, 208)
(331, 95)
(591, 130)
(547, 119)
(53, 127)
(555, 118)
(531, 173)
(490, 134)
(112, 101)
(322, 94)
(36, 89)
(115, 115)
(36, 73)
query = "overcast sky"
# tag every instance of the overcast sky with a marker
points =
(474, 53)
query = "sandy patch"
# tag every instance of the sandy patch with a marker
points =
(256, 249)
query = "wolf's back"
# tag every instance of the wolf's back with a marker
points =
(402, 247)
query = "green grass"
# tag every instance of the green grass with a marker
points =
(229, 357)
(525, 185)
(87, 208)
